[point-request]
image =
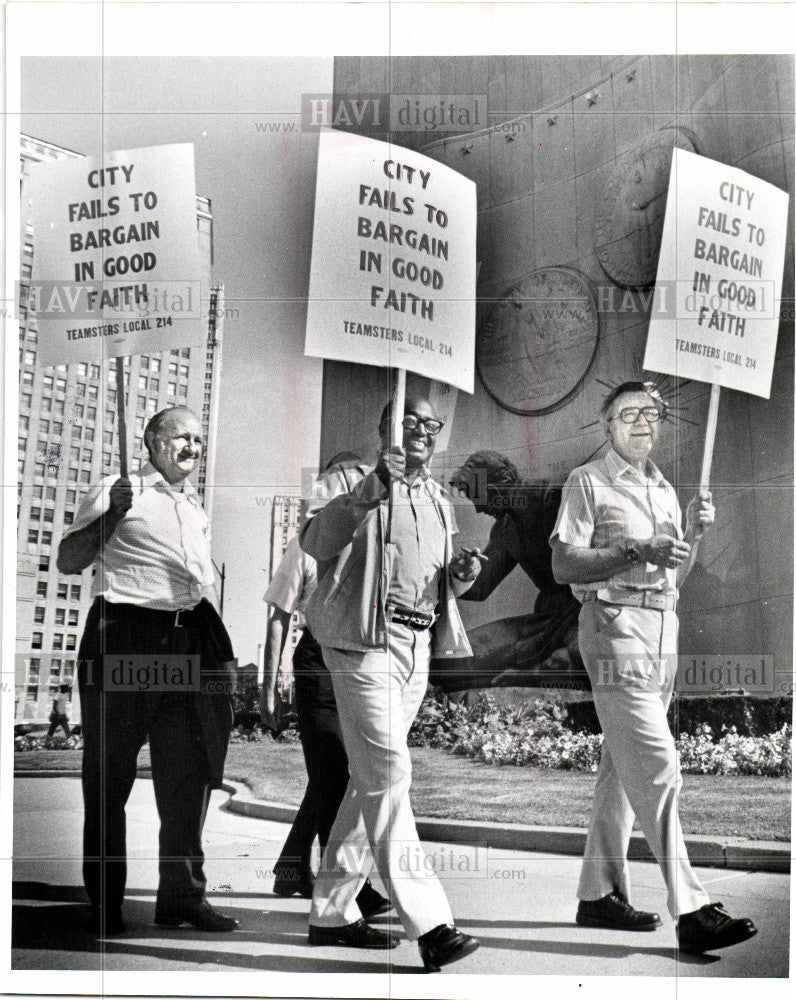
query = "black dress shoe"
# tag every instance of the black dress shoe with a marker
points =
(614, 912)
(105, 924)
(292, 880)
(443, 945)
(356, 935)
(711, 927)
(370, 902)
(201, 915)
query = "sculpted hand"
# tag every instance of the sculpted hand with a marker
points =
(662, 550)
(121, 497)
(699, 514)
(391, 465)
(466, 565)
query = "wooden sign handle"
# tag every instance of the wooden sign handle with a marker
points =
(710, 440)
(396, 436)
(121, 416)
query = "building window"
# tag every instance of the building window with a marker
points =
(26, 399)
(87, 454)
(93, 392)
(44, 427)
(173, 368)
(88, 435)
(60, 385)
(62, 591)
(46, 537)
(186, 352)
(91, 412)
(49, 383)
(60, 615)
(69, 517)
(33, 692)
(72, 475)
(35, 641)
(75, 592)
(142, 383)
(33, 536)
(71, 642)
(58, 427)
(58, 640)
(95, 371)
(49, 515)
(35, 513)
(106, 459)
(41, 588)
(71, 496)
(78, 412)
(38, 616)
(141, 402)
(72, 617)
(107, 437)
(154, 364)
(172, 389)
(85, 476)
(183, 391)
(44, 564)
(55, 667)
(38, 468)
(58, 407)
(80, 389)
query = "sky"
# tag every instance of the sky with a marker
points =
(260, 177)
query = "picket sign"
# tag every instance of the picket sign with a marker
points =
(721, 263)
(117, 270)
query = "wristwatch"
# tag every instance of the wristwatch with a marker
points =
(631, 553)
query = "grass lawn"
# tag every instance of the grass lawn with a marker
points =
(744, 806)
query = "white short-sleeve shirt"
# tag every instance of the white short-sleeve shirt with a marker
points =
(159, 554)
(608, 501)
(294, 579)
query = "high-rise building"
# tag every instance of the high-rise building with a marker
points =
(67, 439)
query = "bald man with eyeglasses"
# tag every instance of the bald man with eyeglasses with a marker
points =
(620, 544)
(386, 597)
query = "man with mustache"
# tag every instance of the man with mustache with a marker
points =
(386, 594)
(154, 603)
(619, 543)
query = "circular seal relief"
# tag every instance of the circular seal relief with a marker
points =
(628, 219)
(538, 341)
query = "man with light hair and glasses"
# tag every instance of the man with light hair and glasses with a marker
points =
(154, 602)
(386, 596)
(619, 543)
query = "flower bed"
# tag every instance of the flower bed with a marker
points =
(535, 734)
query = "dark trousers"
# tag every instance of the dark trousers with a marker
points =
(55, 722)
(115, 726)
(324, 755)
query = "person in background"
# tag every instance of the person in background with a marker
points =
(58, 716)
(291, 586)
(618, 541)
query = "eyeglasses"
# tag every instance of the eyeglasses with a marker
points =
(631, 414)
(430, 425)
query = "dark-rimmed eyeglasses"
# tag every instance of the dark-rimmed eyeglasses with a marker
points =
(430, 425)
(630, 414)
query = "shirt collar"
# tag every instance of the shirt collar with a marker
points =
(617, 467)
(151, 477)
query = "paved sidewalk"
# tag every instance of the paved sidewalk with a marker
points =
(520, 905)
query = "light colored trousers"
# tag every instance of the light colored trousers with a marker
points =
(631, 657)
(378, 694)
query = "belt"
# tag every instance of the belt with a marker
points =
(417, 620)
(641, 599)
